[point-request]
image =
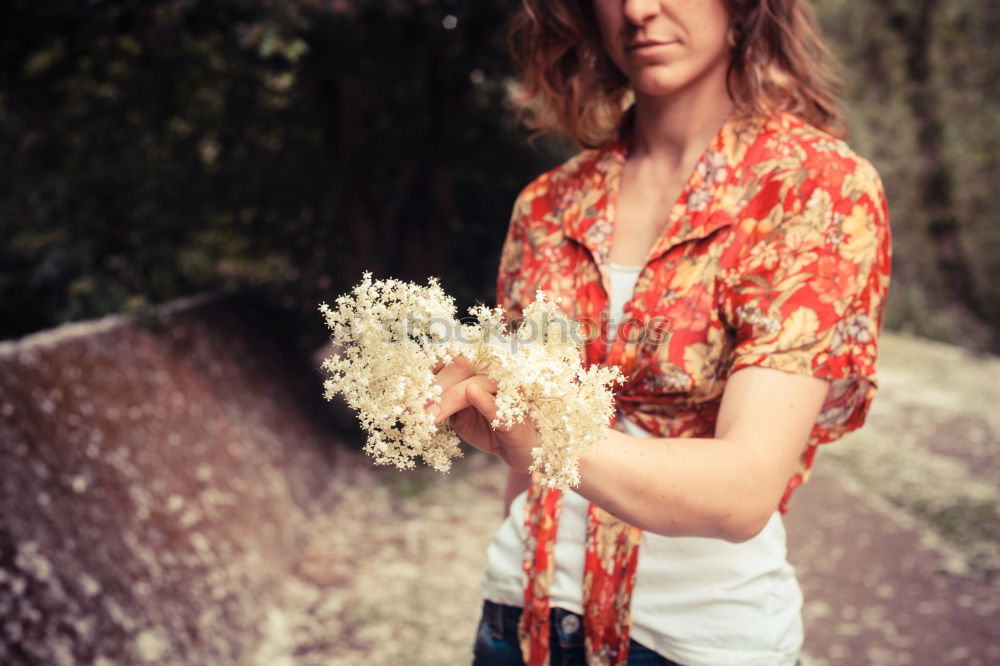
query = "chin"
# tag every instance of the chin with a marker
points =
(671, 77)
(656, 86)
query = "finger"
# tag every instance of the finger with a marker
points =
(486, 403)
(513, 444)
(453, 373)
(449, 375)
(457, 397)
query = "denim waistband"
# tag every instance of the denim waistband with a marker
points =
(567, 627)
(567, 633)
(502, 619)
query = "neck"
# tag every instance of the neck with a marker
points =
(676, 128)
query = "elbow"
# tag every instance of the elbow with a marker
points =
(742, 526)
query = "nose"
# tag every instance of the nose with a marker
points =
(637, 12)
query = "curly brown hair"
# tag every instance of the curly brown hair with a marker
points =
(569, 85)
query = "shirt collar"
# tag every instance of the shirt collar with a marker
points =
(704, 206)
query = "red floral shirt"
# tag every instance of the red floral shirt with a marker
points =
(776, 254)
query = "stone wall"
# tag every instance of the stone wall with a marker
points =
(156, 481)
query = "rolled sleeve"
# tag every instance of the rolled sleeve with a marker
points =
(808, 296)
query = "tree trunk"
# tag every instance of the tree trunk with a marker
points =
(914, 24)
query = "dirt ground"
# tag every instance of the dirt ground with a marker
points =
(392, 576)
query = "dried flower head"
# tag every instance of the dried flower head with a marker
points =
(392, 333)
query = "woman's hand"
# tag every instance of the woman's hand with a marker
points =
(468, 402)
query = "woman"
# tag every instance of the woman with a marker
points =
(720, 204)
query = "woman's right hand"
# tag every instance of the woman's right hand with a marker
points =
(468, 401)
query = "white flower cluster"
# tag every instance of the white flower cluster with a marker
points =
(384, 369)
(392, 333)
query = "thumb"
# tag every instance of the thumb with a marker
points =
(514, 444)
(484, 401)
(486, 404)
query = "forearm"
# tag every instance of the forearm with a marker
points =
(725, 487)
(682, 487)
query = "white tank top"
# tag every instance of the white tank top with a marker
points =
(697, 601)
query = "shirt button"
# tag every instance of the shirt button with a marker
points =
(570, 624)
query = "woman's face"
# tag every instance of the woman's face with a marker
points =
(665, 46)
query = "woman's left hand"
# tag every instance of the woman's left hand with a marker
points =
(468, 401)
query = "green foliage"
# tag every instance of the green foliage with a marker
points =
(151, 150)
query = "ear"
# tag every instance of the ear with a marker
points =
(733, 36)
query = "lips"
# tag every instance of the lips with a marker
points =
(644, 44)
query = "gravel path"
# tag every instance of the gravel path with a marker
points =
(392, 575)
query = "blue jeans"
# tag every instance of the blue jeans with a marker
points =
(497, 644)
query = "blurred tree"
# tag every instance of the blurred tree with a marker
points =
(921, 80)
(914, 24)
(151, 149)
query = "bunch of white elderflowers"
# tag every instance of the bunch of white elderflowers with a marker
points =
(392, 333)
